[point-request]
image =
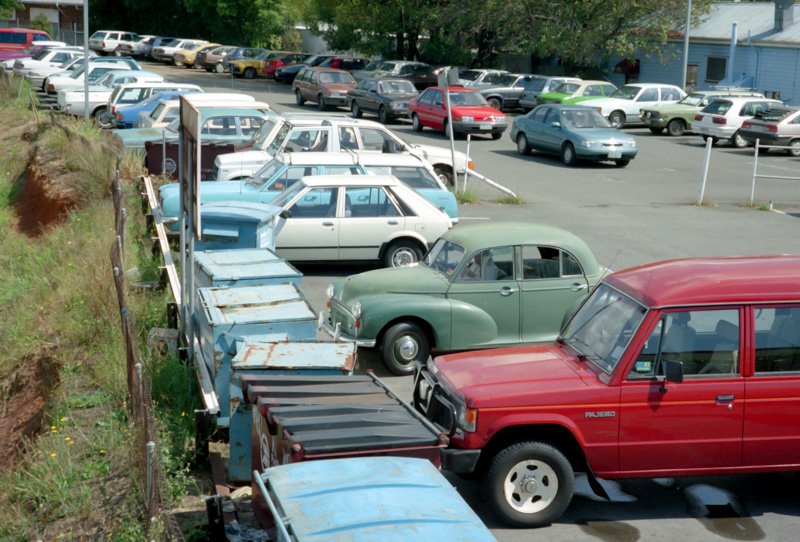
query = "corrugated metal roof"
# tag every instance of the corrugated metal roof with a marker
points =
(755, 19)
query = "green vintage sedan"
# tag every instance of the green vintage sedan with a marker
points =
(481, 286)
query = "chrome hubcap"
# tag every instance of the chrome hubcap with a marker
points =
(408, 348)
(403, 257)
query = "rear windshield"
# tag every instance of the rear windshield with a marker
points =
(98, 35)
(469, 75)
(717, 107)
(536, 84)
(335, 77)
(567, 88)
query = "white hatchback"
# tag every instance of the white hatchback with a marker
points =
(722, 118)
(356, 217)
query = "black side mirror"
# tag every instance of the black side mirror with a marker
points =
(673, 372)
(286, 213)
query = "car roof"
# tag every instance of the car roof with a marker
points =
(350, 180)
(350, 121)
(371, 158)
(648, 85)
(456, 88)
(703, 281)
(745, 99)
(112, 65)
(316, 158)
(478, 236)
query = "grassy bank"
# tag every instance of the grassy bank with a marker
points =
(62, 372)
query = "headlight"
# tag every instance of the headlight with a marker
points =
(628, 143)
(590, 144)
(463, 119)
(330, 291)
(499, 119)
(466, 418)
(356, 310)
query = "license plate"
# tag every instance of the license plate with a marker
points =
(485, 126)
(614, 154)
(336, 94)
(757, 128)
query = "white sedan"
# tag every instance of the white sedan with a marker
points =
(623, 105)
(96, 71)
(46, 58)
(352, 217)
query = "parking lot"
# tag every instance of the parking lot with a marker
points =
(628, 216)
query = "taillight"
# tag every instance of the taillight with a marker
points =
(746, 125)
(558, 101)
(720, 120)
(773, 129)
(104, 44)
(119, 116)
(698, 117)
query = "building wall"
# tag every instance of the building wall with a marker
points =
(68, 21)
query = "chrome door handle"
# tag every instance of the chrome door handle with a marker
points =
(578, 287)
(392, 222)
(327, 223)
(508, 291)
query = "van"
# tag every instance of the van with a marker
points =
(15, 39)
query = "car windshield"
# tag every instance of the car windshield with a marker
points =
(195, 46)
(396, 87)
(536, 84)
(335, 77)
(264, 174)
(604, 325)
(444, 257)
(275, 146)
(105, 80)
(30, 48)
(467, 99)
(717, 107)
(415, 177)
(77, 73)
(170, 43)
(372, 66)
(317, 60)
(583, 118)
(263, 133)
(469, 75)
(625, 93)
(157, 111)
(286, 196)
(693, 99)
(174, 125)
(567, 88)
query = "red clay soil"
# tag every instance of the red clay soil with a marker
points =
(41, 204)
(23, 396)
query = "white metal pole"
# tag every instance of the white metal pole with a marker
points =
(86, 59)
(734, 37)
(452, 129)
(686, 42)
(701, 194)
(755, 168)
(466, 162)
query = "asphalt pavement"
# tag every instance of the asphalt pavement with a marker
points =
(628, 216)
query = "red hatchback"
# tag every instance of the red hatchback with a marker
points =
(286, 60)
(471, 112)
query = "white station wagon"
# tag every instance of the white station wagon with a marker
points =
(356, 217)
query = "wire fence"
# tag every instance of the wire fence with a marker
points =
(147, 460)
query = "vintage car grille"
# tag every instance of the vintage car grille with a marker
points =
(342, 317)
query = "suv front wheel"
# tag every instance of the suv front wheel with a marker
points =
(529, 484)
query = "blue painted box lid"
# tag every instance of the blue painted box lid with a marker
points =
(258, 269)
(366, 499)
(254, 304)
(236, 256)
(294, 355)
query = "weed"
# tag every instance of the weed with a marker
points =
(765, 207)
(467, 197)
(705, 203)
(511, 200)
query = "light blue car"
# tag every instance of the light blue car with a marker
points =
(218, 124)
(574, 132)
(288, 168)
(125, 116)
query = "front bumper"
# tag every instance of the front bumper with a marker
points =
(480, 127)
(324, 325)
(460, 461)
(605, 153)
(335, 100)
(653, 122)
(120, 124)
(162, 57)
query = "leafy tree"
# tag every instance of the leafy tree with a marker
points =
(6, 6)
(41, 22)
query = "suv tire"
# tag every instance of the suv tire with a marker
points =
(529, 484)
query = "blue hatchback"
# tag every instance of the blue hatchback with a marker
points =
(125, 116)
(574, 132)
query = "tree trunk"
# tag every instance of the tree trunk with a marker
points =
(400, 45)
(413, 52)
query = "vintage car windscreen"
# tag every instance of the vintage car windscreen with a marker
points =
(444, 256)
(603, 327)
(264, 174)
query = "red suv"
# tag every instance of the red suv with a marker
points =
(286, 60)
(678, 368)
(470, 111)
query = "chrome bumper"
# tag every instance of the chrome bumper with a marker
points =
(336, 333)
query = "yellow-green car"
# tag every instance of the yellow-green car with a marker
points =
(577, 91)
(480, 286)
(186, 57)
(250, 68)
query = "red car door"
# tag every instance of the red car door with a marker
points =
(773, 389)
(689, 427)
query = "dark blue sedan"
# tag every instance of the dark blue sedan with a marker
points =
(574, 133)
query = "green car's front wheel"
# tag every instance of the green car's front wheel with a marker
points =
(403, 345)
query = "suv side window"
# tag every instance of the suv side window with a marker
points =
(250, 125)
(777, 343)
(377, 141)
(706, 342)
(308, 139)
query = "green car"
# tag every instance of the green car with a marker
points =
(677, 117)
(481, 286)
(577, 91)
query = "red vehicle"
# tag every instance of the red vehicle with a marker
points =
(16, 39)
(471, 112)
(345, 63)
(285, 60)
(678, 368)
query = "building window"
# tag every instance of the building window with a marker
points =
(715, 69)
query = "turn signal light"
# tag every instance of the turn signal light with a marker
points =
(470, 165)
(773, 129)
(698, 117)
(746, 125)
(720, 120)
